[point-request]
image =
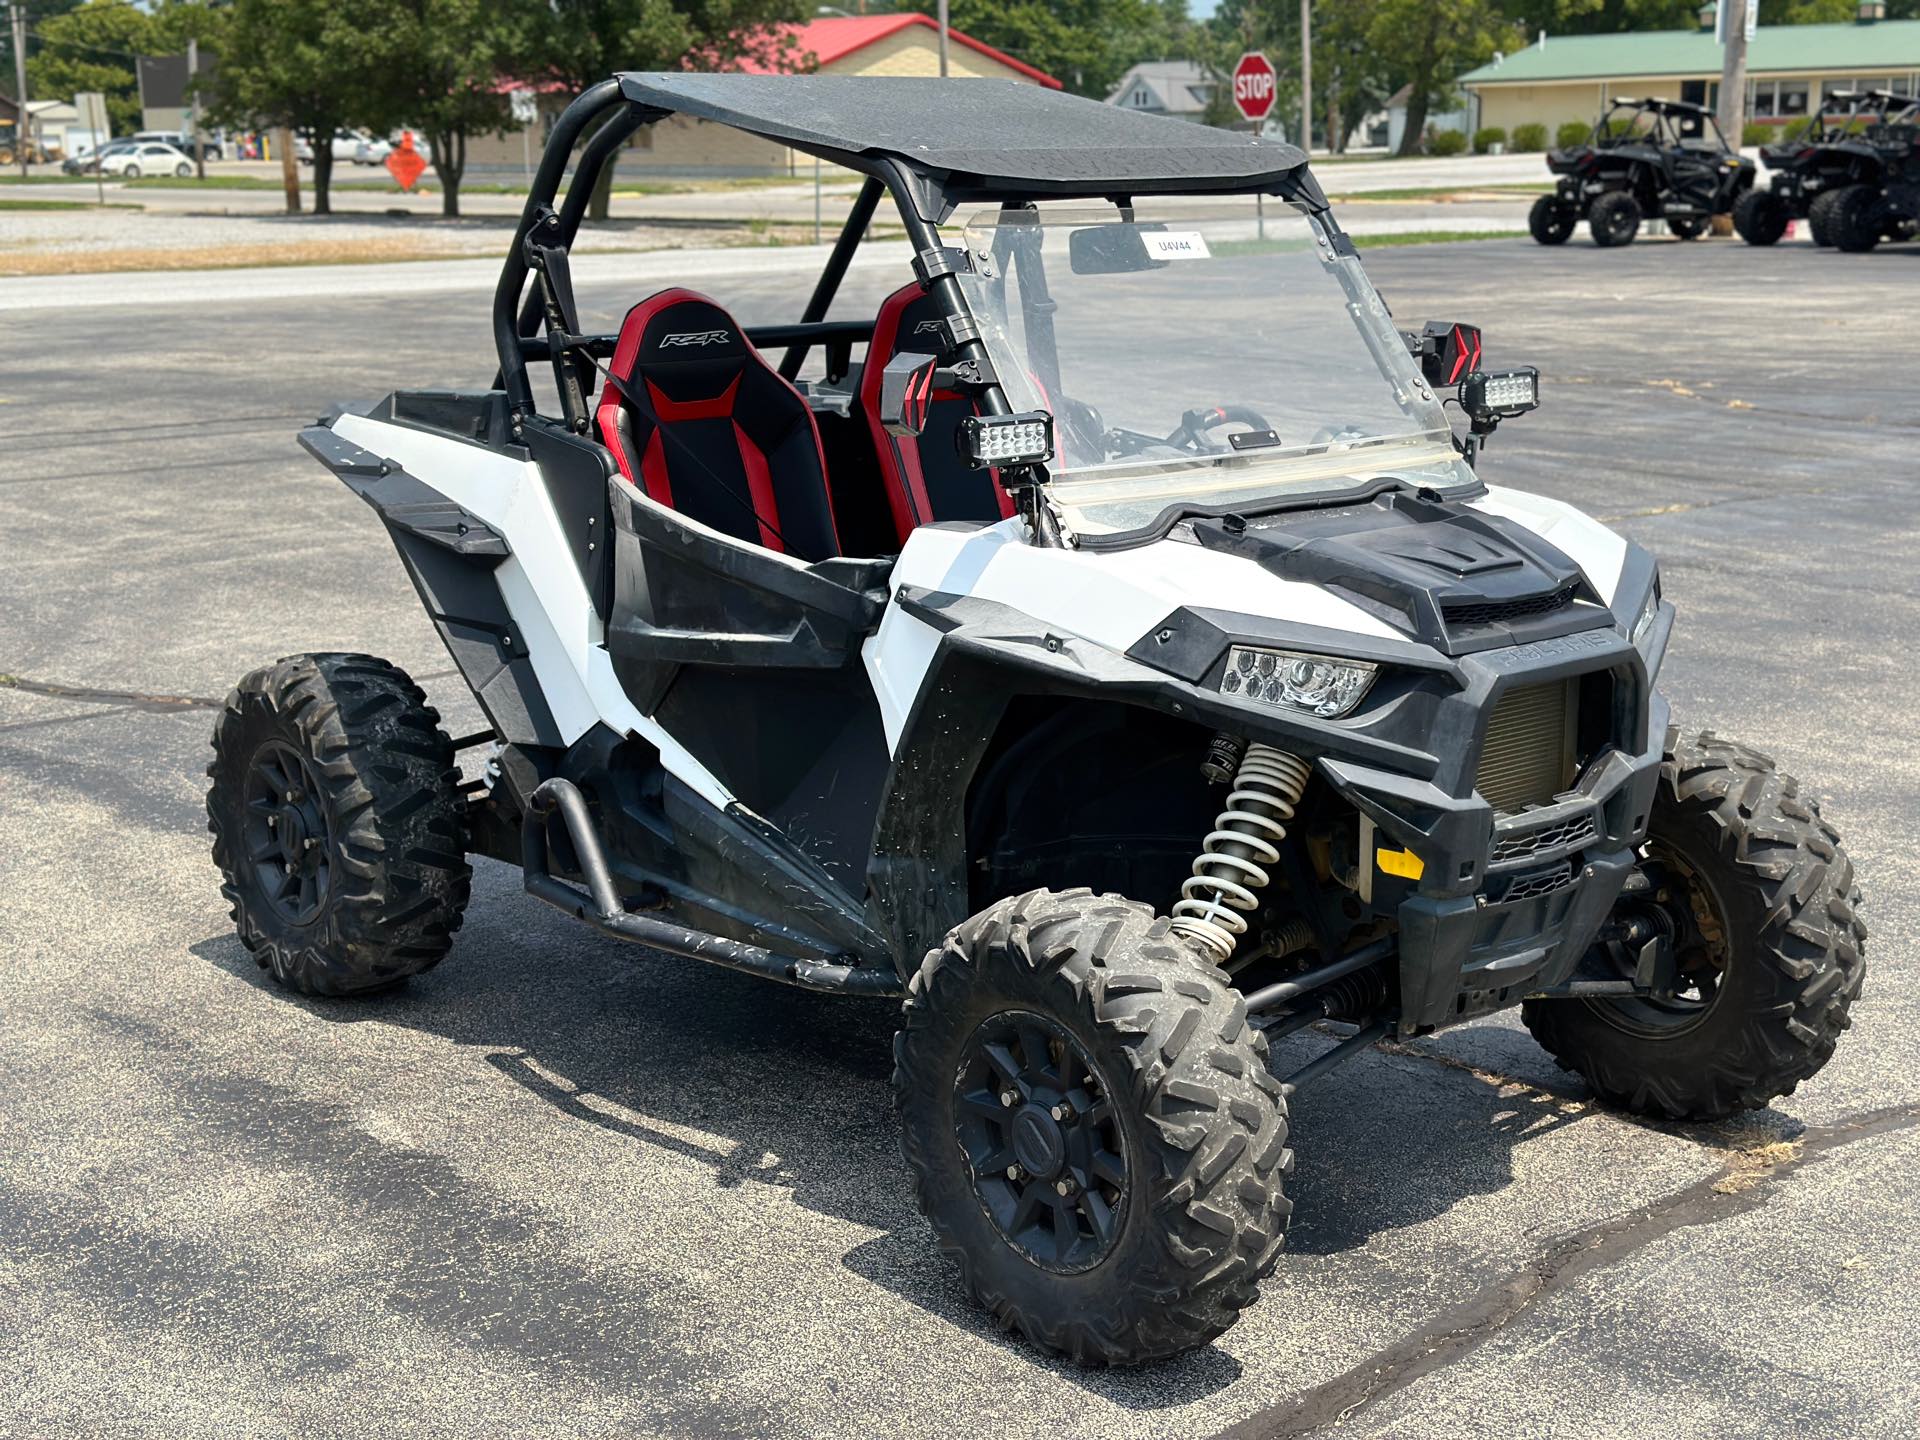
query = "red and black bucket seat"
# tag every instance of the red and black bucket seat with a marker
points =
(699, 422)
(925, 479)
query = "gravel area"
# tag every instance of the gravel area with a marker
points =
(30, 239)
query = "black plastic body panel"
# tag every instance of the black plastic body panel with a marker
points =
(576, 472)
(450, 556)
(729, 872)
(1421, 566)
(753, 663)
(1407, 765)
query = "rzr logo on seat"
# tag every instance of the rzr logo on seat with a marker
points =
(695, 337)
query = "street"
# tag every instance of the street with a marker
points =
(561, 1187)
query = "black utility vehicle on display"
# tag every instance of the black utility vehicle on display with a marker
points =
(1874, 192)
(1646, 159)
(1090, 637)
(1804, 172)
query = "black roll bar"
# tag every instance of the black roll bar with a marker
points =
(932, 262)
(606, 143)
(593, 102)
(841, 256)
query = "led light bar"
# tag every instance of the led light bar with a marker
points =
(1500, 393)
(992, 440)
(1313, 684)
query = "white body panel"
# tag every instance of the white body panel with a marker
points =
(1598, 552)
(1111, 599)
(545, 595)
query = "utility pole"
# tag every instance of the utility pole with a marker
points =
(943, 39)
(1735, 24)
(23, 131)
(289, 168)
(193, 100)
(1306, 77)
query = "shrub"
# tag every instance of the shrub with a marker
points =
(1574, 132)
(1447, 142)
(1799, 128)
(1756, 133)
(1529, 138)
(1485, 138)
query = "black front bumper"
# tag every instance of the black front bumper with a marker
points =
(1506, 905)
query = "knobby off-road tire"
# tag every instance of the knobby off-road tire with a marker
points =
(1761, 217)
(1551, 221)
(1182, 1078)
(1688, 227)
(1613, 219)
(378, 877)
(1784, 899)
(1856, 218)
(1820, 217)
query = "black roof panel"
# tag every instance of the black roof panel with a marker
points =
(980, 139)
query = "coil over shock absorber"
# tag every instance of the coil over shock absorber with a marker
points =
(1216, 899)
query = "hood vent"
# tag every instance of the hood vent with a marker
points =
(1469, 613)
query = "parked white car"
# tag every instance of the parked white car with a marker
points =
(372, 150)
(147, 159)
(346, 146)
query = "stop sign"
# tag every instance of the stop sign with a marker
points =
(1255, 86)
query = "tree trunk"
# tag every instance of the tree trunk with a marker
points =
(322, 143)
(448, 152)
(1410, 138)
(603, 190)
(1336, 132)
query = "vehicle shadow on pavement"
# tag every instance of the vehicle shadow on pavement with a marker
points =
(763, 1084)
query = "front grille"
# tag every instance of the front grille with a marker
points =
(1527, 758)
(1562, 835)
(1505, 612)
(1532, 884)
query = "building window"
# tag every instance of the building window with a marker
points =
(1764, 103)
(1793, 97)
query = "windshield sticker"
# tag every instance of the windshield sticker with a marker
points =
(1176, 244)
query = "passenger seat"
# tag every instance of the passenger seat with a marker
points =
(700, 423)
(925, 479)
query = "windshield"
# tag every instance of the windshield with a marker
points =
(1208, 357)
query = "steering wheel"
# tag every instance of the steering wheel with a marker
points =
(1190, 433)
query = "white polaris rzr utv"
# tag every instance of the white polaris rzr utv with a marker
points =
(1106, 646)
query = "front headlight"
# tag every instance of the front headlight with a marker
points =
(1313, 684)
(1644, 621)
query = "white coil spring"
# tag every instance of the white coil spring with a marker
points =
(1245, 839)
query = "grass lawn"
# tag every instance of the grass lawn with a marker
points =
(429, 186)
(1429, 192)
(1432, 237)
(66, 205)
(1363, 242)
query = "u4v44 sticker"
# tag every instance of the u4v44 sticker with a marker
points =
(1176, 245)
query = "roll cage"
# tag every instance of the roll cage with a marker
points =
(1665, 132)
(931, 147)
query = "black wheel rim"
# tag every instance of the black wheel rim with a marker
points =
(289, 838)
(1695, 917)
(1043, 1146)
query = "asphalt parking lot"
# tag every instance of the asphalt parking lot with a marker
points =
(558, 1188)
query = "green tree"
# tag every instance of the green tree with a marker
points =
(38, 13)
(1085, 44)
(88, 47)
(298, 63)
(439, 65)
(581, 42)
